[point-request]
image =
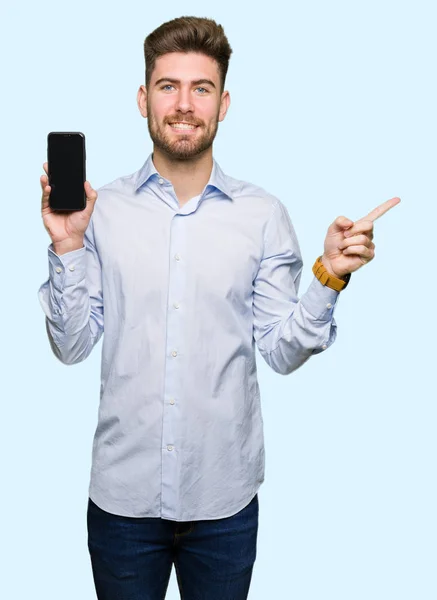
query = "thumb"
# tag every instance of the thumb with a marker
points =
(340, 224)
(91, 194)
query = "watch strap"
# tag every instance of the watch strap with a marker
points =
(327, 278)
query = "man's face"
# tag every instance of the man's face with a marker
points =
(184, 91)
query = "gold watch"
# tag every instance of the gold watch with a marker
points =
(327, 279)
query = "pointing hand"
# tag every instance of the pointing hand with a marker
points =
(348, 245)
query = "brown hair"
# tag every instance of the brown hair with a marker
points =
(188, 34)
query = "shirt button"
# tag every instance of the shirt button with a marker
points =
(58, 270)
(176, 305)
(174, 353)
(71, 267)
(161, 181)
(170, 448)
(171, 400)
(329, 305)
(177, 257)
(324, 347)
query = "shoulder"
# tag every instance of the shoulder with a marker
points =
(112, 197)
(276, 215)
(121, 184)
(246, 190)
(259, 197)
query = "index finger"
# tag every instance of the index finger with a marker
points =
(381, 209)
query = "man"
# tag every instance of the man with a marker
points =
(185, 269)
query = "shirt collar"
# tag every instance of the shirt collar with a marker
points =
(217, 180)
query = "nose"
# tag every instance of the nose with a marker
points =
(184, 102)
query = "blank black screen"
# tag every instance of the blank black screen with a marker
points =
(65, 153)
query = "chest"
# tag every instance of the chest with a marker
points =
(213, 250)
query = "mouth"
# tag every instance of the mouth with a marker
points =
(181, 127)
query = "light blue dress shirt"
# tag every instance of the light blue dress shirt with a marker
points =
(183, 294)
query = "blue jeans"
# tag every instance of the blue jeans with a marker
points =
(132, 558)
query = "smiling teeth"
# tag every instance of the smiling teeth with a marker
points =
(182, 126)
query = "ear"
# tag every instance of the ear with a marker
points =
(142, 100)
(224, 105)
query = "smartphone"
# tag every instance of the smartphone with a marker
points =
(66, 159)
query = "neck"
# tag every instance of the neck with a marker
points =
(188, 177)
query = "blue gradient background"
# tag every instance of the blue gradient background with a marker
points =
(333, 111)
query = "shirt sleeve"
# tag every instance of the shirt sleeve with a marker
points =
(289, 330)
(72, 301)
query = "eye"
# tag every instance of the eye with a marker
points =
(167, 85)
(202, 88)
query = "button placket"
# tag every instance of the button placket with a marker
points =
(173, 376)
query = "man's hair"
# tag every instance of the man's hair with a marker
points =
(188, 34)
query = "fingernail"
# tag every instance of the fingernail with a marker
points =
(347, 234)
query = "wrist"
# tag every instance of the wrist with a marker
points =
(329, 278)
(328, 267)
(67, 246)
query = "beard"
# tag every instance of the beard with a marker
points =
(181, 147)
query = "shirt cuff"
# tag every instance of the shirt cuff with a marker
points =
(67, 269)
(320, 300)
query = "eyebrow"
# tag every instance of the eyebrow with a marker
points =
(195, 82)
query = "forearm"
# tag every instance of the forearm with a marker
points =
(308, 329)
(74, 323)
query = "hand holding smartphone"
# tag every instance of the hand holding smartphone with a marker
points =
(67, 198)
